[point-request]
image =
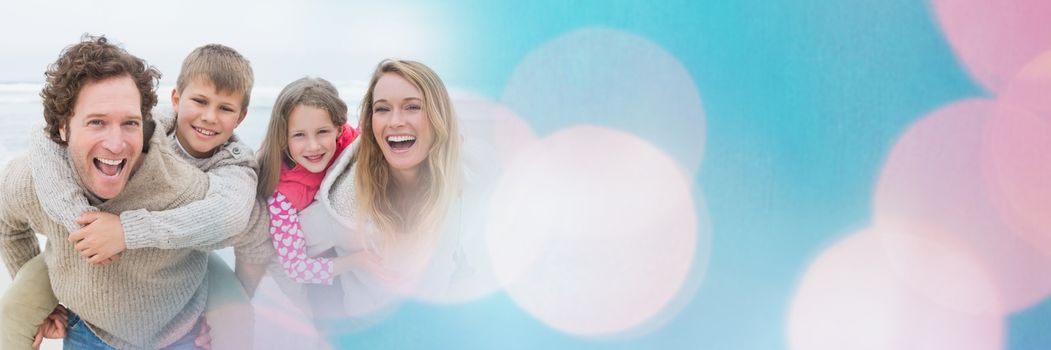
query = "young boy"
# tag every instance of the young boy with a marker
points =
(210, 100)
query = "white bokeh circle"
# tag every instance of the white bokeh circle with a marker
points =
(593, 231)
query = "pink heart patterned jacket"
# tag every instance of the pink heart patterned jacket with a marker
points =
(295, 191)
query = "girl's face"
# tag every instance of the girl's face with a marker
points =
(311, 137)
(400, 124)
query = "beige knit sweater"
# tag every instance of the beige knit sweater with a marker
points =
(150, 297)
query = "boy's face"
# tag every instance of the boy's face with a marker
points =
(206, 117)
(105, 135)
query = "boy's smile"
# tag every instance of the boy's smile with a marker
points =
(206, 118)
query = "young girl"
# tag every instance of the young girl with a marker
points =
(307, 132)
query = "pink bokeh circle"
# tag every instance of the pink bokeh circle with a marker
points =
(851, 298)
(932, 185)
(492, 132)
(1017, 154)
(995, 38)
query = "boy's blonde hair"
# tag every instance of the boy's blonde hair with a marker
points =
(226, 69)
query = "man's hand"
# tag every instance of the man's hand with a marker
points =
(54, 326)
(204, 336)
(101, 238)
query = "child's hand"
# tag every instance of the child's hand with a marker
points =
(111, 259)
(54, 326)
(204, 336)
(101, 238)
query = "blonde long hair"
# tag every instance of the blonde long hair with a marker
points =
(440, 173)
(306, 91)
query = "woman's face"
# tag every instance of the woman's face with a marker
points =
(400, 125)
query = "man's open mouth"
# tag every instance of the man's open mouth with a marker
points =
(110, 167)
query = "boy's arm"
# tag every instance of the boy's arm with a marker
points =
(196, 225)
(223, 212)
(55, 182)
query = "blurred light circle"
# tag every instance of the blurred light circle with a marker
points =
(932, 185)
(994, 39)
(593, 231)
(1017, 154)
(493, 135)
(850, 297)
(607, 77)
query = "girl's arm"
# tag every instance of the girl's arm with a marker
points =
(291, 246)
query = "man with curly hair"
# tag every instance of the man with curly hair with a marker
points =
(97, 103)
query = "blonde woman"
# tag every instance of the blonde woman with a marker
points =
(393, 192)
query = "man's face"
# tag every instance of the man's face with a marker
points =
(105, 135)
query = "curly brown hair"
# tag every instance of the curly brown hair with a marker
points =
(94, 58)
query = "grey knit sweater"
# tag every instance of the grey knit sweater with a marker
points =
(231, 191)
(147, 299)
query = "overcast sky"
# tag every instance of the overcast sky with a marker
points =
(340, 41)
